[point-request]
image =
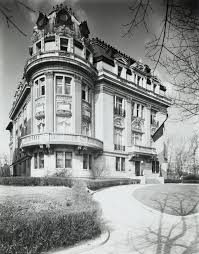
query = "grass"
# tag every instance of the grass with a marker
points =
(174, 199)
(37, 219)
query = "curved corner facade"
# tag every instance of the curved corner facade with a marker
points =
(83, 108)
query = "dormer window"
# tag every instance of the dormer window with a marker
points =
(64, 44)
(119, 71)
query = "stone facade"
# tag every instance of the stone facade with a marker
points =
(83, 108)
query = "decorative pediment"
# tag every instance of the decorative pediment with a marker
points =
(137, 124)
(119, 122)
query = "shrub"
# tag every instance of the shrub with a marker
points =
(172, 180)
(68, 182)
(4, 170)
(103, 183)
(38, 225)
(190, 181)
(191, 177)
(25, 229)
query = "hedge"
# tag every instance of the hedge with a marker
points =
(35, 226)
(191, 177)
(60, 181)
(191, 181)
(38, 231)
(172, 180)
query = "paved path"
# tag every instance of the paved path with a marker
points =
(135, 229)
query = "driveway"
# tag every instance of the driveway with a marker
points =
(135, 228)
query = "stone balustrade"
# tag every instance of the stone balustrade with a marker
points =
(59, 138)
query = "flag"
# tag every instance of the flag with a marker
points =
(42, 21)
(159, 132)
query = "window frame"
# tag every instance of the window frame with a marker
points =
(87, 161)
(120, 164)
(64, 159)
(62, 86)
(39, 85)
(39, 161)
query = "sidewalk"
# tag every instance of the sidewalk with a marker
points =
(135, 228)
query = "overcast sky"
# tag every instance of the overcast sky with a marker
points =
(105, 19)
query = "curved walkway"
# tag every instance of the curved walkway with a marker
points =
(135, 228)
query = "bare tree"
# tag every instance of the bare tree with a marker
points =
(6, 12)
(175, 47)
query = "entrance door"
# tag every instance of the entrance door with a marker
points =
(137, 168)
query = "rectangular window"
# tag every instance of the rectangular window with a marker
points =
(120, 164)
(63, 88)
(85, 161)
(41, 160)
(90, 161)
(59, 84)
(35, 161)
(119, 71)
(86, 93)
(67, 85)
(59, 159)
(64, 44)
(138, 80)
(117, 164)
(42, 86)
(153, 116)
(119, 106)
(68, 159)
(138, 110)
(136, 138)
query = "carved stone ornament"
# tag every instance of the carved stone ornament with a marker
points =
(119, 122)
(137, 124)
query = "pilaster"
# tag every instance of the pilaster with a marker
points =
(49, 114)
(128, 122)
(148, 125)
(77, 105)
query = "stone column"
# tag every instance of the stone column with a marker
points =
(77, 105)
(49, 107)
(128, 122)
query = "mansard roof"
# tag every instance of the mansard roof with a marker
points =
(108, 53)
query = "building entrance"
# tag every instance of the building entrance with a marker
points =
(137, 168)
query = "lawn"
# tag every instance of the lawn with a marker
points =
(174, 199)
(36, 219)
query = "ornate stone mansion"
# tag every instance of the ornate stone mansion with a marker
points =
(83, 108)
